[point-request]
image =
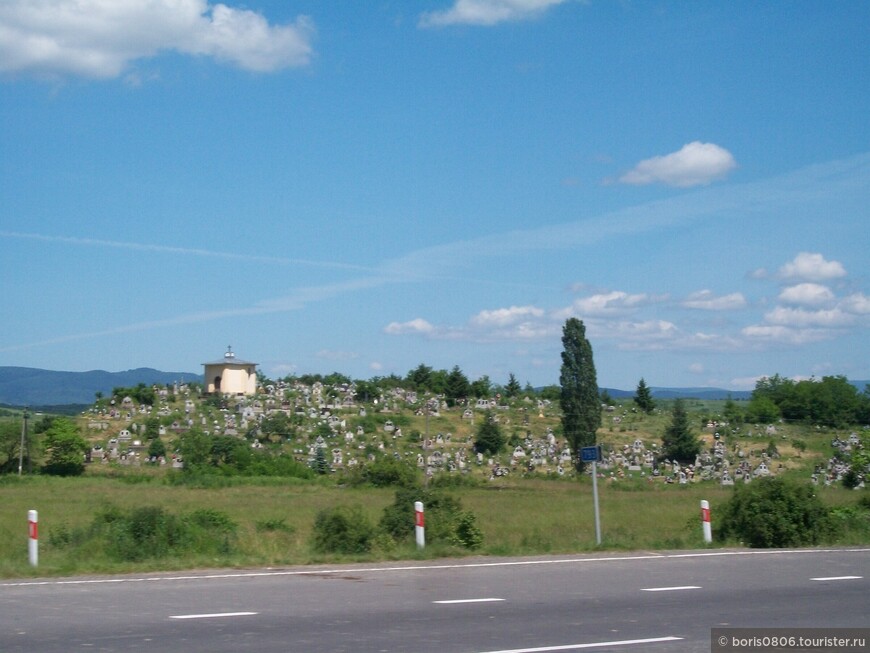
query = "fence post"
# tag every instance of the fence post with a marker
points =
(419, 524)
(33, 539)
(705, 521)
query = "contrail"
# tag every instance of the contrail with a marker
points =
(184, 251)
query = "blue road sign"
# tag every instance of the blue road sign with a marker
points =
(590, 454)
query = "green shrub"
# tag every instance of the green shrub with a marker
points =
(274, 524)
(343, 530)
(467, 534)
(445, 520)
(149, 533)
(772, 512)
(387, 471)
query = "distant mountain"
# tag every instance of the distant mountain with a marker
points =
(685, 393)
(27, 386)
(702, 393)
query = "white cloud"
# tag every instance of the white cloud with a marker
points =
(807, 294)
(506, 316)
(706, 300)
(418, 325)
(784, 335)
(100, 38)
(612, 303)
(744, 382)
(486, 12)
(812, 267)
(280, 370)
(332, 355)
(695, 164)
(643, 334)
(696, 368)
(799, 317)
(857, 303)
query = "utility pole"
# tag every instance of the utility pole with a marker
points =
(23, 437)
(425, 450)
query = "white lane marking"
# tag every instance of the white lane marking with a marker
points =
(670, 589)
(839, 578)
(468, 601)
(471, 565)
(575, 647)
(212, 616)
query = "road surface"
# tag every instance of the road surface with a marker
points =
(658, 602)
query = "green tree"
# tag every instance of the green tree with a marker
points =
(156, 449)
(320, 464)
(152, 428)
(482, 387)
(512, 389)
(336, 378)
(65, 448)
(579, 399)
(366, 391)
(277, 425)
(643, 397)
(457, 386)
(551, 392)
(489, 438)
(732, 413)
(420, 377)
(140, 393)
(195, 449)
(679, 442)
(762, 410)
(776, 388)
(10, 446)
(833, 401)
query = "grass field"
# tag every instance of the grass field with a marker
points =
(275, 519)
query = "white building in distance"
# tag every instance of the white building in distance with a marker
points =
(230, 376)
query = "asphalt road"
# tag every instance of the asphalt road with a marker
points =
(633, 602)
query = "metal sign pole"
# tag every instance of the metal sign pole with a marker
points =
(595, 499)
(593, 455)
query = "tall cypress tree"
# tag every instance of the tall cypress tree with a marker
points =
(579, 399)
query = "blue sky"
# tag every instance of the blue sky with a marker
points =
(366, 186)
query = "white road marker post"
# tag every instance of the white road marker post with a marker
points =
(705, 521)
(33, 539)
(419, 525)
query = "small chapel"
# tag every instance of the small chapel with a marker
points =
(230, 375)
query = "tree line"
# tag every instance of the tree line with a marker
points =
(830, 401)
